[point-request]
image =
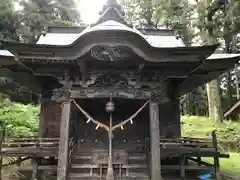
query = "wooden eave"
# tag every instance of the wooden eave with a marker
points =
(211, 69)
(23, 78)
(109, 38)
(7, 60)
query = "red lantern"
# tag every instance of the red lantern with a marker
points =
(110, 107)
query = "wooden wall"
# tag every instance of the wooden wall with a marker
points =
(169, 115)
(50, 118)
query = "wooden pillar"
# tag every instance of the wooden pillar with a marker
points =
(35, 168)
(182, 168)
(62, 171)
(42, 119)
(155, 141)
(216, 159)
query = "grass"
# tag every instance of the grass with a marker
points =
(228, 135)
(231, 165)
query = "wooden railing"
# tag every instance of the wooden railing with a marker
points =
(30, 147)
(49, 146)
(187, 143)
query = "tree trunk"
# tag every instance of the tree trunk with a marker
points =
(189, 104)
(227, 40)
(214, 101)
(237, 81)
(213, 91)
(210, 100)
(229, 90)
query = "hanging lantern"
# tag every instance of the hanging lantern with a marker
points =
(110, 106)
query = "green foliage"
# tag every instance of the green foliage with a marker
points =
(19, 120)
(8, 21)
(35, 15)
(27, 21)
(174, 14)
(228, 132)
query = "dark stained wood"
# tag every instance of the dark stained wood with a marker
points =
(191, 82)
(93, 93)
(182, 167)
(170, 117)
(64, 142)
(23, 78)
(42, 119)
(1, 156)
(216, 159)
(155, 139)
(52, 119)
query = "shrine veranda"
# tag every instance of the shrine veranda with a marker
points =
(110, 101)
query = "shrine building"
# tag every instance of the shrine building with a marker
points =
(110, 101)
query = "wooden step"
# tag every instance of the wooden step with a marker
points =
(83, 176)
(89, 166)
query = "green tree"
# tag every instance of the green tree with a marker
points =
(19, 120)
(175, 14)
(35, 15)
(8, 21)
(218, 22)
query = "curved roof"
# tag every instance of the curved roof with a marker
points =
(155, 47)
(154, 40)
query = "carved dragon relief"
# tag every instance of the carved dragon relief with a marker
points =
(107, 53)
(119, 84)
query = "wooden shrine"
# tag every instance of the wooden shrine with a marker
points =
(110, 101)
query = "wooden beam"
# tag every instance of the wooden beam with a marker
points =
(7, 60)
(93, 92)
(64, 143)
(195, 81)
(155, 139)
(83, 69)
(22, 78)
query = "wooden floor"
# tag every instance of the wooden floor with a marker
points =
(192, 149)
